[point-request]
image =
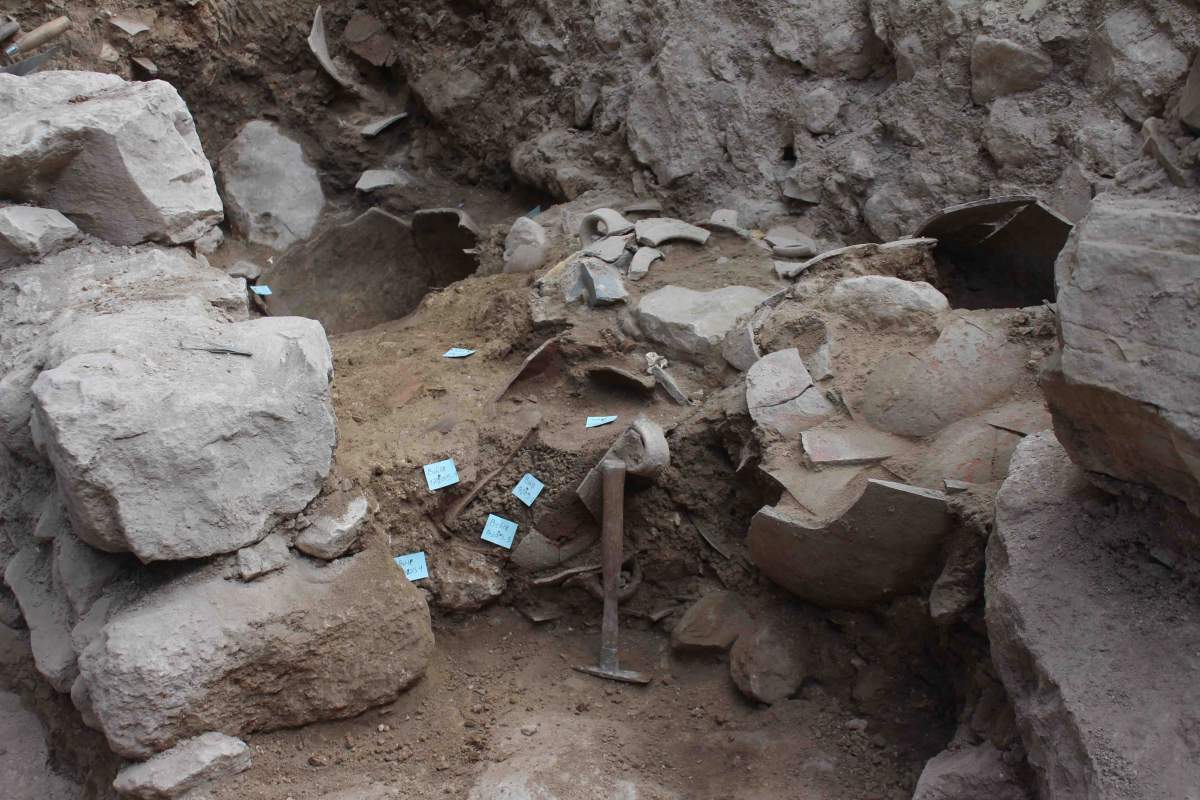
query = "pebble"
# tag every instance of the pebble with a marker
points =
(529, 730)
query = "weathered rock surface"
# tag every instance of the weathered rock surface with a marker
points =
(711, 624)
(121, 160)
(972, 773)
(1123, 394)
(782, 397)
(884, 545)
(189, 764)
(28, 233)
(766, 665)
(1067, 578)
(46, 613)
(1002, 67)
(1136, 61)
(152, 444)
(525, 246)
(693, 324)
(266, 556)
(971, 366)
(329, 641)
(602, 283)
(272, 194)
(464, 580)
(25, 771)
(330, 537)
(889, 302)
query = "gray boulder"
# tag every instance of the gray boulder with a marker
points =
(693, 324)
(169, 451)
(189, 764)
(122, 160)
(1068, 578)
(972, 773)
(28, 233)
(1124, 392)
(1002, 67)
(46, 612)
(1018, 140)
(323, 642)
(882, 546)
(330, 537)
(272, 193)
(1136, 61)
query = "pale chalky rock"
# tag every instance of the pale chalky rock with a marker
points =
(525, 246)
(884, 545)
(693, 324)
(971, 366)
(150, 442)
(191, 763)
(374, 179)
(782, 397)
(331, 640)
(464, 580)
(1002, 67)
(272, 194)
(887, 302)
(712, 624)
(81, 572)
(1018, 140)
(266, 556)
(1135, 60)
(121, 159)
(1124, 393)
(766, 666)
(46, 612)
(1068, 576)
(29, 234)
(972, 773)
(330, 537)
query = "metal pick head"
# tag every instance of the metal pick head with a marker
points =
(622, 675)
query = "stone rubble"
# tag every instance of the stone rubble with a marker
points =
(186, 766)
(28, 233)
(328, 538)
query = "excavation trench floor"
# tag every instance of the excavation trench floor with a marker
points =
(501, 714)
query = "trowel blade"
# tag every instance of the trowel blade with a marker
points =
(30, 64)
(622, 675)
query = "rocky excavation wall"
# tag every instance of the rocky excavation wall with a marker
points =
(156, 445)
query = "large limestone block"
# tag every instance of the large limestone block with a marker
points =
(971, 366)
(74, 302)
(972, 773)
(887, 302)
(693, 324)
(1126, 393)
(882, 546)
(303, 644)
(1134, 60)
(1002, 67)
(272, 193)
(122, 160)
(1098, 647)
(170, 451)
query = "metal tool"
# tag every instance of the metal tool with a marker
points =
(31, 64)
(37, 37)
(612, 533)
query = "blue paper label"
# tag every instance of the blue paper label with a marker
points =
(414, 566)
(458, 352)
(441, 474)
(499, 530)
(528, 489)
(261, 291)
(596, 422)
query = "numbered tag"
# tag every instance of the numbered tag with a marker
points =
(458, 352)
(261, 291)
(528, 489)
(414, 566)
(596, 422)
(441, 474)
(499, 530)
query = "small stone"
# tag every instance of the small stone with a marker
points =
(207, 244)
(765, 665)
(1002, 67)
(819, 110)
(525, 246)
(330, 537)
(529, 729)
(28, 233)
(712, 624)
(189, 764)
(889, 302)
(267, 556)
(374, 179)
(247, 270)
